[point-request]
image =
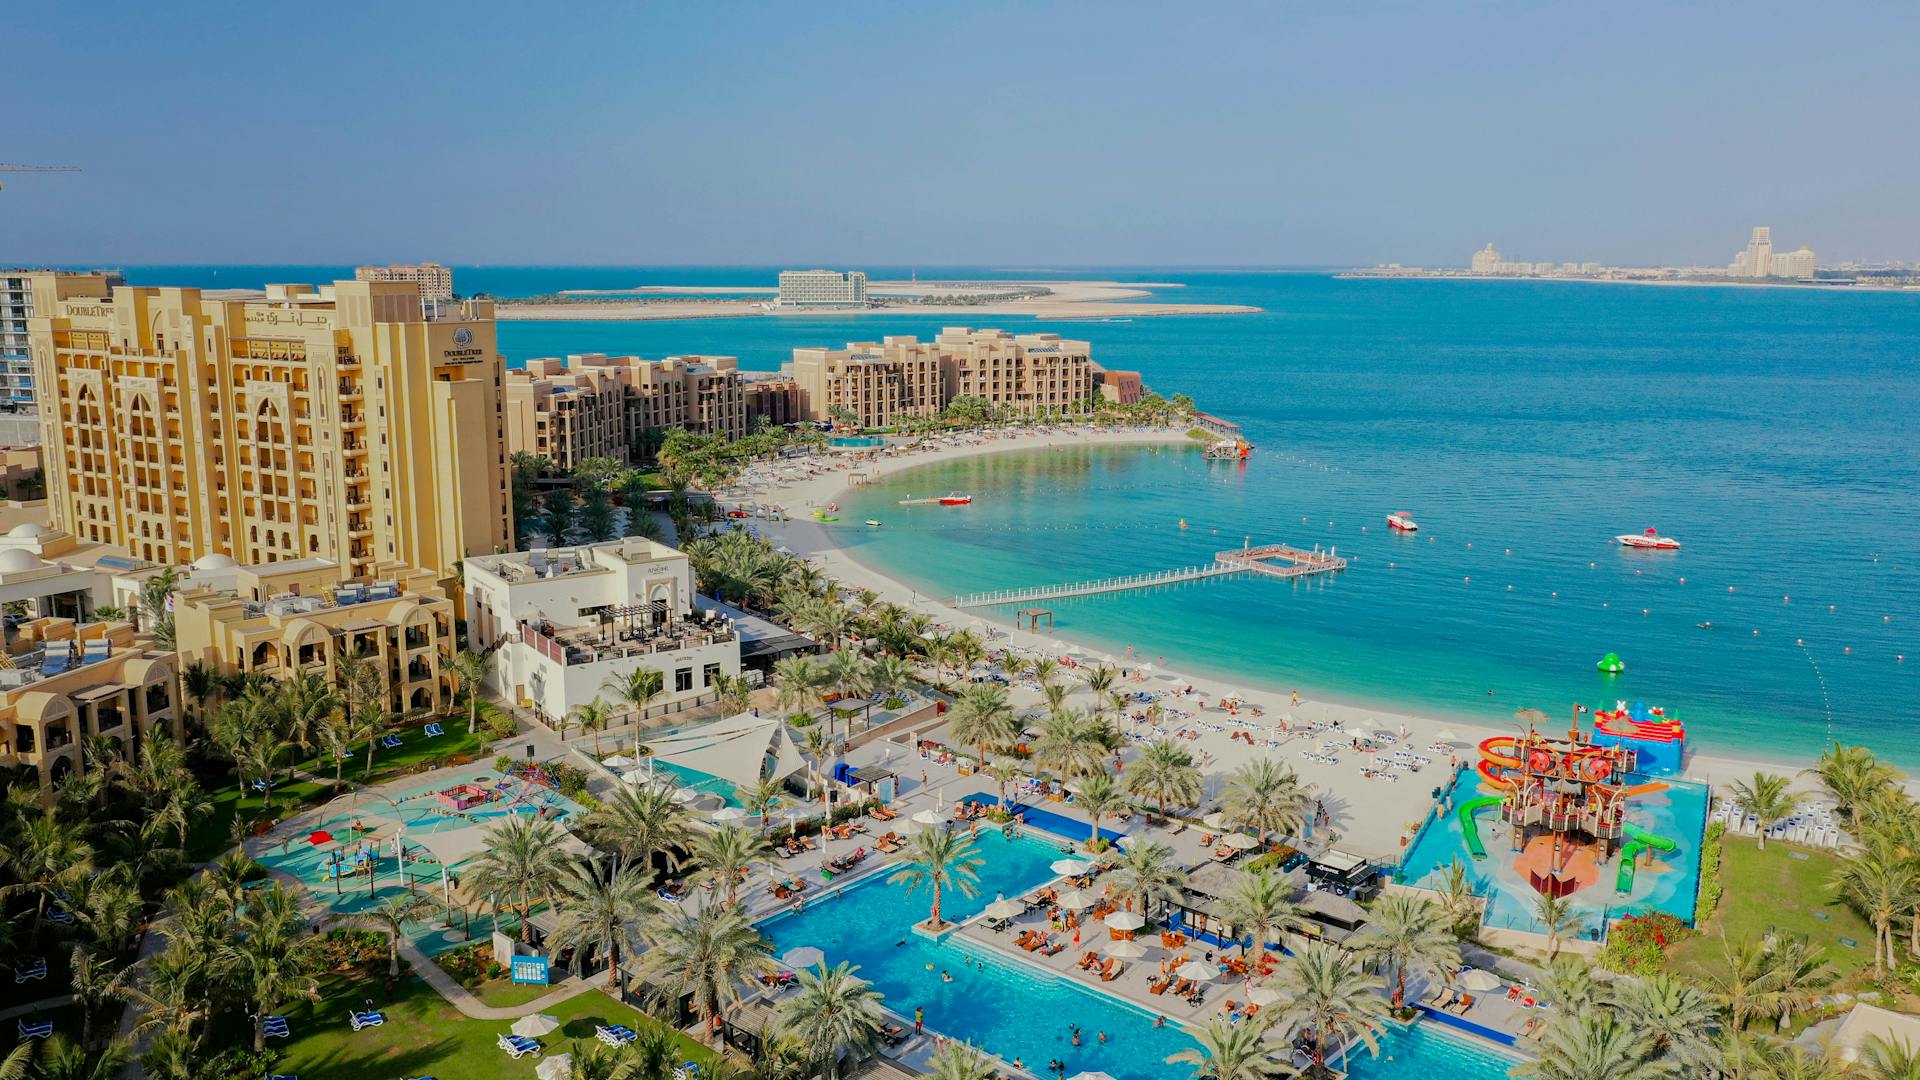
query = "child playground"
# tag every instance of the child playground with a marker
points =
(1593, 816)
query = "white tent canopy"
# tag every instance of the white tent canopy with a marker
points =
(737, 750)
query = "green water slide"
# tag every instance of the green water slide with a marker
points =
(1470, 831)
(1638, 840)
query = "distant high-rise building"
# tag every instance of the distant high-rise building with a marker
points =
(1486, 260)
(1796, 265)
(822, 289)
(1760, 261)
(19, 291)
(435, 281)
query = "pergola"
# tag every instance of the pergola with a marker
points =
(1033, 615)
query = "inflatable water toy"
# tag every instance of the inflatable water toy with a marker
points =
(1611, 664)
(822, 515)
(1402, 521)
(873, 522)
(1469, 830)
(1229, 450)
(1650, 539)
(1638, 840)
(1659, 741)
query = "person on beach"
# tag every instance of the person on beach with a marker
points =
(919, 1018)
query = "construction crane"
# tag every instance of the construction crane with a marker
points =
(4, 167)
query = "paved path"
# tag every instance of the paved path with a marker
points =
(33, 1007)
(461, 998)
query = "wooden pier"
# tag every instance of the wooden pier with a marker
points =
(1273, 560)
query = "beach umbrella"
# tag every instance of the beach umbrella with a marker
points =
(1240, 841)
(1127, 842)
(1074, 899)
(685, 794)
(1355, 733)
(1478, 980)
(1125, 920)
(636, 777)
(1003, 908)
(1071, 867)
(535, 1025)
(557, 1067)
(619, 761)
(928, 817)
(1263, 996)
(319, 836)
(1092, 1076)
(1195, 971)
(1216, 820)
(805, 956)
(1125, 949)
(1446, 735)
(728, 813)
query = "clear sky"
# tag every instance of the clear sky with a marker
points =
(974, 133)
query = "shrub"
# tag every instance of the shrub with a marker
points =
(1638, 944)
(1709, 897)
(570, 779)
(499, 725)
(503, 763)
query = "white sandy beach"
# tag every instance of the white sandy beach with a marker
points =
(1064, 300)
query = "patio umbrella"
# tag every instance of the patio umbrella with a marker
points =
(557, 1067)
(1263, 996)
(1003, 908)
(1070, 867)
(636, 777)
(1216, 820)
(1446, 735)
(1074, 899)
(685, 794)
(319, 836)
(805, 956)
(1092, 1076)
(619, 761)
(535, 1025)
(1124, 920)
(1195, 971)
(1478, 980)
(1240, 841)
(928, 817)
(728, 813)
(1128, 841)
(1125, 949)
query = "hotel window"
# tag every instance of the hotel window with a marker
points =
(709, 674)
(683, 680)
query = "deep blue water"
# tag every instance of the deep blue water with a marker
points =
(1523, 424)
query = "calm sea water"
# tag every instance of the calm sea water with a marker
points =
(1524, 425)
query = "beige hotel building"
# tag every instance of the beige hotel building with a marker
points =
(592, 405)
(352, 423)
(884, 382)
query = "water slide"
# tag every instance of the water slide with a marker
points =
(1469, 830)
(1630, 792)
(1491, 759)
(1638, 840)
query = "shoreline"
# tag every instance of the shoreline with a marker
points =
(816, 541)
(1360, 275)
(1060, 300)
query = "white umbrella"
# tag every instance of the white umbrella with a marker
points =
(1126, 949)
(1004, 908)
(1195, 971)
(1355, 733)
(728, 813)
(1124, 920)
(1127, 842)
(1215, 820)
(557, 1067)
(686, 794)
(1479, 981)
(805, 956)
(1092, 1076)
(619, 761)
(928, 817)
(1446, 735)
(1240, 841)
(1071, 867)
(1263, 996)
(636, 777)
(1074, 899)
(535, 1025)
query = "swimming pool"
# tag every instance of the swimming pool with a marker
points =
(1018, 1010)
(857, 441)
(698, 781)
(1668, 883)
(1041, 818)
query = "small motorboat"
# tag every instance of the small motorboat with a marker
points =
(955, 498)
(873, 522)
(1402, 521)
(738, 514)
(1651, 539)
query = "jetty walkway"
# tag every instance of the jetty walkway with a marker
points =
(1273, 560)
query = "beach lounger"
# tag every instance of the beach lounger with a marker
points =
(261, 785)
(35, 1029)
(275, 1027)
(366, 1019)
(434, 731)
(615, 1034)
(518, 1046)
(36, 968)
(894, 1034)
(1447, 996)
(1461, 1007)
(390, 742)
(61, 916)
(688, 1070)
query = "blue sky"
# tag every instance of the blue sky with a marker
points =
(973, 133)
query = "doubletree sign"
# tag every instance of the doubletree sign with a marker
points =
(463, 351)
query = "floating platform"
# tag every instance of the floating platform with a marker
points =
(1273, 560)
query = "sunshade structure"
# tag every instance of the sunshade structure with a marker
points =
(1125, 920)
(1195, 971)
(805, 956)
(1263, 996)
(1216, 820)
(929, 817)
(557, 1067)
(619, 761)
(1071, 867)
(535, 1025)
(743, 750)
(1003, 908)
(1240, 841)
(1092, 1076)
(1125, 949)
(727, 813)
(1479, 981)
(1074, 899)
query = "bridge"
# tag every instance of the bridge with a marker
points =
(1275, 560)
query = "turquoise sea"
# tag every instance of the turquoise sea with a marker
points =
(1523, 424)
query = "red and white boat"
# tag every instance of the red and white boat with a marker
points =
(955, 498)
(1402, 521)
(1649, 539)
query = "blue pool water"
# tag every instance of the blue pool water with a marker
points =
(1670, 884)
(1041, 818)
(857, 441)
(1017, 1010)
(699, 781)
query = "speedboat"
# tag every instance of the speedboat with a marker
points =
(955, 498)
(1649, 539)
(1402, 521)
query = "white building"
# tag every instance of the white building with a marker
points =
(569, 620)
(1486, 260)
(1760, 261)
(822, 289)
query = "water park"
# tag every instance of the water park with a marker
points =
(1596, 817)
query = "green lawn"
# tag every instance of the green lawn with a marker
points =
(416, 751)
(424, 1036)
(1777, 890)
(213, 833)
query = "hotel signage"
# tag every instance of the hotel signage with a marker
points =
(463, 350)
(285, 317)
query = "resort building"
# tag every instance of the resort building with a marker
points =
(568, 621)
(64, 682)
(21, 293)
(1486, 260)
(1031, 373)
(1118, 387)
(1759, 260)
(286, 617)
(774, 398)
(822, 289)
(595, 405)
(20, 476)
(871, 384)
(435, 281)
(353, 424)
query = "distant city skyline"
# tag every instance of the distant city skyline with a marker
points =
(1034, 135)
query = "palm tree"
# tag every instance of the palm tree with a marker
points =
(200, 682)
(1743, 980)
(522, 863)
(889, 676)
(1888, 1058)
(391, 918)
(1798, 972)
(984, 719)
(954, 1060)
(1099, 795)
(1004, 771)
(1557, 920)
(709, 957)
(46, 854)
(1880, 884)
(65, 1059)
(641, 821)
(598, 1061)
(762, 798)
(598, 912)
(636, 689)
(1796, 1063)
(1266, 796)
(1679, 1018)
(798, 683)
(1046, 670)
(1407, 933)
(370, 719)
(733, 693)
(727, 854)
(1569, 983)
(1768, 798)
(1165, 773)
(938, 859)
(1852, 776)
(1072, 744)
(1455, 895)
(1325, 988)
(594, 716)
(1261, 904)
(270, 954)
(470, 670)
(1230, 1052)
(95, 981)
(1593, 1047)
(846, 672)
(835, 1015)
(1147, 871)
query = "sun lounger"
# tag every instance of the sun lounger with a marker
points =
(1447, 996)
(36, 968)
(390, 742)
(894, 1034)
(275, 1027)
(1461, 1007)
(434, 731)
(688, 1070)
(518, 1046)
(366, 1019)
(1111, 970)
(35, 1029)
(615, 1035)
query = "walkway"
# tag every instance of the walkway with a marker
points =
(1088, 588)
(461, 998)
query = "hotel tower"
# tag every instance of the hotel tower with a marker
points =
(352, 423)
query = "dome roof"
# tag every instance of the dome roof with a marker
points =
(215, 561)
(27, 530)
(19, 559)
